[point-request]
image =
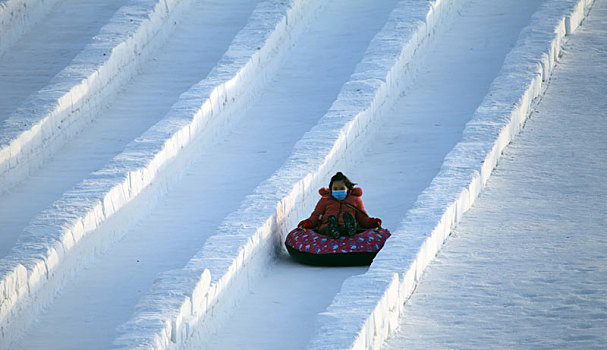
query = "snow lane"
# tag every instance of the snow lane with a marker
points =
(526, 267)
(405, 152)
(426, 122)
(48, 47)
(199, 40)
(218, 178)
(286, 285)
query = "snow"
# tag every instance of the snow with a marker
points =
(83, 208)
(18, 16)
(281, 308)
(147, 99)
(228, 264)
(46, 49)
(417, 133)
(372, 316)
(42, 114)
(222, 254)
(526, 266)
(107, 190)
(182, 231)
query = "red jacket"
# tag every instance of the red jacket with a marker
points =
(328, 206)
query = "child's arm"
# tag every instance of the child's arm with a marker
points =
(319, 210)
(363, 219)
(314, 218)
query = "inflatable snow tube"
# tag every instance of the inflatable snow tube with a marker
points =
(310, 247)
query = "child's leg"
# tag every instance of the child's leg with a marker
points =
(332, 228)
(349, 224)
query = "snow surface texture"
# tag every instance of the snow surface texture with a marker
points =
(140, 103)
(527, 265)
(17, 16)
(119, 47)
(200, 195)
(34, 261)
(47, 48)
(250, 237)
(375, 300)
(354, 89)
(144, 101)
(52, 115)
(403, 150)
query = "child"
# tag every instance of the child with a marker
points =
(340, 211)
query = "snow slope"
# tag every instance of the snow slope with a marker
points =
(167, 214)
(18, 16)
(145, 101)
(219, 175)
(252, 324)
(526, 267)
(366, 309)
(200, 39)
(404, 151)
(184, 305)
(48, 47)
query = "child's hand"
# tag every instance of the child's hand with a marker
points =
(375, 222)
(305, 224)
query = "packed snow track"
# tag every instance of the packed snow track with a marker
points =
(154, 154)
(539, 279)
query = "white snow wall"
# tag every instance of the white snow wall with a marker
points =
(368, 307)
(184, 305)
(18, 16)
(52, 115)
(48, 251)
(55, 113)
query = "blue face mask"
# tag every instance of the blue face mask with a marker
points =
(340, 195)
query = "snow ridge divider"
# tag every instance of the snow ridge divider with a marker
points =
(52, 236)
(368, 307)
(184, 305)
(41, 124)
(18, 16)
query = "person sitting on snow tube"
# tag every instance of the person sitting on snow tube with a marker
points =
(340, 211)
(339, 232)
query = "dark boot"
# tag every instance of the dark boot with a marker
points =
(331, 230)
(350, 224)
